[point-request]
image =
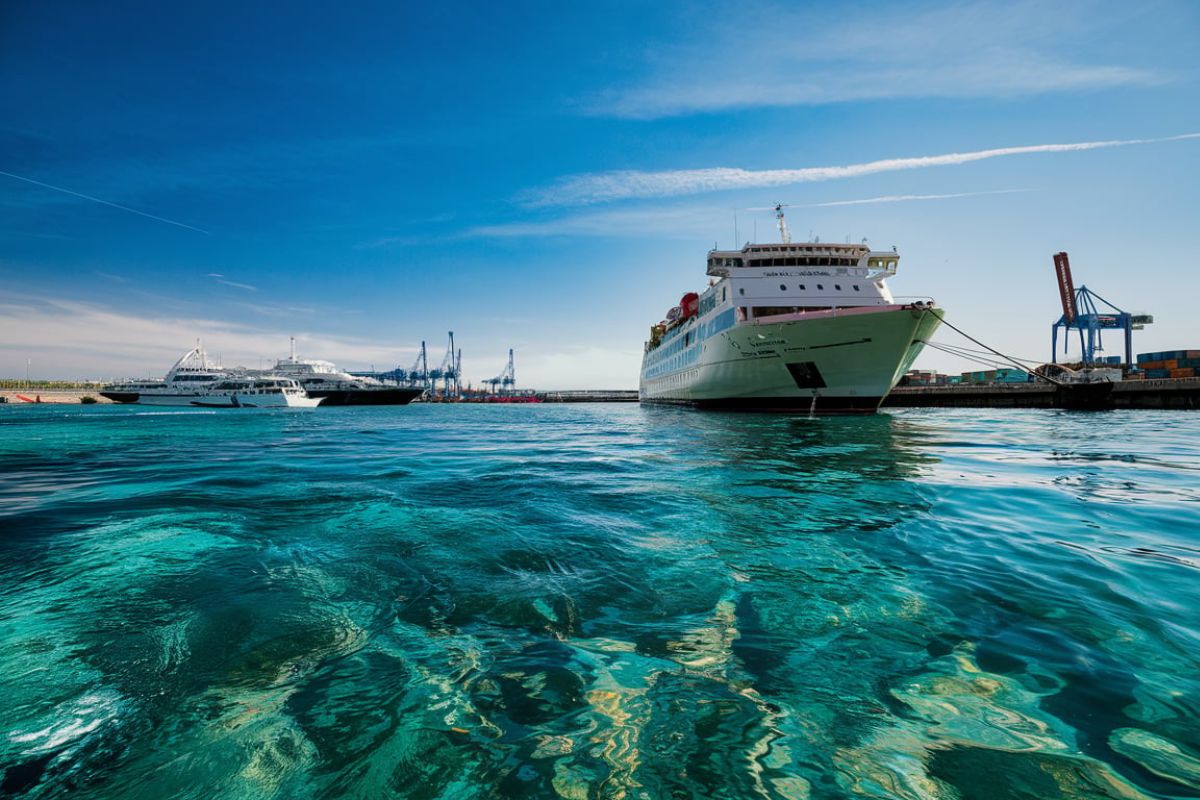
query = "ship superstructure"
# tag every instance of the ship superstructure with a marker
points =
(807, 325)
(337, 387)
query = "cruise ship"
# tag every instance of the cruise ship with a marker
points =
(195, 381)
(804, 326)
(338, 388)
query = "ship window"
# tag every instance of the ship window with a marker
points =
(783, 287)
(742, 291)
(802, 287)
(856, 287)
(820, 287)
(837, 286)
(722, 294)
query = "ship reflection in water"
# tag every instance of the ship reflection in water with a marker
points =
(597, 601)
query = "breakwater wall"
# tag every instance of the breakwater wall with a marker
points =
(591, 396)
(1178, 393)
(60, 396)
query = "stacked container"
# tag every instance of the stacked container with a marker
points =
(1170, 363)
(1002, 375)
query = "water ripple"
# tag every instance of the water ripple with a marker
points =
(598, 602)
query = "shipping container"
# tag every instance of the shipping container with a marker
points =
(1183, 372)
(1158, 373)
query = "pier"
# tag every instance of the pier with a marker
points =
(53, 396)
(1172, 393)
(591, 396)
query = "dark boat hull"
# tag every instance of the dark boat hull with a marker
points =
(398, 396)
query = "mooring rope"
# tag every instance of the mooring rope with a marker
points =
(1007, 358)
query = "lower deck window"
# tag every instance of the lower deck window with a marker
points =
(774, 311)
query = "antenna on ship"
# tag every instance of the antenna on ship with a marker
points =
(293, 357)
(784, 236)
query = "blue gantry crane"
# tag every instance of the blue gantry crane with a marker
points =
(1081, 313)
(506, 380)
(449, 372)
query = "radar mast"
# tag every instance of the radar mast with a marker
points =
(784, 236)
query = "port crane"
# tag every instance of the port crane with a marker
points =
(1081, 313)
(506, 380)
(419, 372)
(449, 372)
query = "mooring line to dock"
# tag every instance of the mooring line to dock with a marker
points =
(1007, 358)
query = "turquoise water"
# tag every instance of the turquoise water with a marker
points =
(598, 601)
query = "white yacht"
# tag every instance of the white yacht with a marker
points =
(196, 381)
(339, 388)
(808, 326)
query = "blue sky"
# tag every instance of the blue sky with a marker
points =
(550, 178)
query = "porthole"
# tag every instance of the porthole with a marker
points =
(802, 287)
(856, 287)
(820, 288)
(837, 286)
(783, 287)
(741, 291)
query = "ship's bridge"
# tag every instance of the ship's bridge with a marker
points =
(808, 254)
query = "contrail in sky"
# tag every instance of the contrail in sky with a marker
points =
(633, 184)
(899, 198)
(104, 202)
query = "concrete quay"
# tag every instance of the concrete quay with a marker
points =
(54, 396)
(1166, 393)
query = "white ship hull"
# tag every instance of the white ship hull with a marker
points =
(839, 360)
(217, 399)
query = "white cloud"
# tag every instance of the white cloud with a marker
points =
(904, 198)
(683, 221)
(237, 285)
(631, 184)
(767, 55)
(622, 222)
(70, 339)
